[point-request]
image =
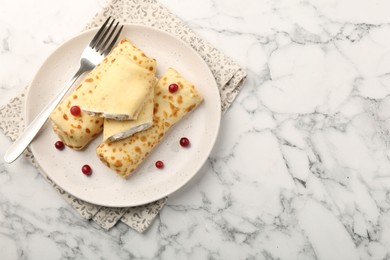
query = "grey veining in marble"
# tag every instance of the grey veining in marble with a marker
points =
(300, 170)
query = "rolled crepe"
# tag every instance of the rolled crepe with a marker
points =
(77, 131)
(126, 155)
(115, 130)
(122, 91)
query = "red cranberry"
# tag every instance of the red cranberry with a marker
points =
(75, 110)
(173, 88)
(59, 145)
(86, 169)
(184, 142)
(159, 164)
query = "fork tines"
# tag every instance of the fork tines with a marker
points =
(101, 42)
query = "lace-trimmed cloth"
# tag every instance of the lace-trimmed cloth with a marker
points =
(229, 77)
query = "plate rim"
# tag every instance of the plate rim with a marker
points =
(189, 177)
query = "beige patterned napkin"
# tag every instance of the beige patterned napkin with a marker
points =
(229, 77)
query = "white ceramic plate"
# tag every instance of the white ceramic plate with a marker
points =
(147, 184)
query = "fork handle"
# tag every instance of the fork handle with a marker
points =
(17, 148)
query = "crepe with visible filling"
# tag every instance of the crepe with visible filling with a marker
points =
(126, 155)
(122, 91)
(77, 131)
(115, 130)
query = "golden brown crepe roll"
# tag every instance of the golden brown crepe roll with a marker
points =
(126, 155)
(122, 91)
(115, 130)
(77, 131)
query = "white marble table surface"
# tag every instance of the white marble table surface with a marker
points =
(300, 170)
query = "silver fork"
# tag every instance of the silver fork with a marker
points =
(94, 52)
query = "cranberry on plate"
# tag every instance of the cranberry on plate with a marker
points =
(159, 164)
(184, 142)
(59, 145)
(86, 169)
